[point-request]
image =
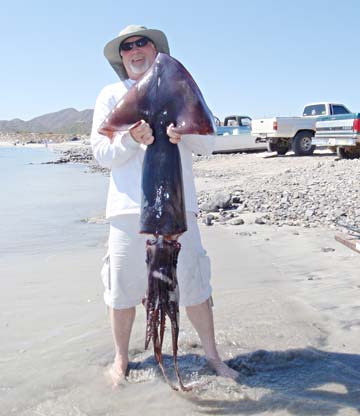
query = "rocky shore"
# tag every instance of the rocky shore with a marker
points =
(315, 191)
(78, 154)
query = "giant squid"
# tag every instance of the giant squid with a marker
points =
(165, 94)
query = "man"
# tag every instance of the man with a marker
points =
(124, 272)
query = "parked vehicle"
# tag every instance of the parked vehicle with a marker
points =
(282, 134)
(235, 135)
(341, 133)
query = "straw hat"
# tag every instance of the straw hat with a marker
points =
(111, 50)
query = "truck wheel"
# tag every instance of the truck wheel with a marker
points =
(302, 143)
(346, 153)
(280, 147)
(271, 147)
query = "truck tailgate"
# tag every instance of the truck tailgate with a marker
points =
(331, 129)
(262, 126)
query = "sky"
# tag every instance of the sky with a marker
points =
(258, 58)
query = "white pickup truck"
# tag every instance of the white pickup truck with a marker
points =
(294, 133)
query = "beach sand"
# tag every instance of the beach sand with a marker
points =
(286, 316)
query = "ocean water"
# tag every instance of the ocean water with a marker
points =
(42, 206)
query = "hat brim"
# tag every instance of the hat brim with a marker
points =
(112, 54)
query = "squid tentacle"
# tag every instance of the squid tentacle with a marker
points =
(162, 299)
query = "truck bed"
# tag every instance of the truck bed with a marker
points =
(285, 127)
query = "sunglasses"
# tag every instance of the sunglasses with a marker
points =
(140, 43)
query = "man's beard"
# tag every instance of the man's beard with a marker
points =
(140, 68)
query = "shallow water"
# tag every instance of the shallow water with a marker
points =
(41, 206)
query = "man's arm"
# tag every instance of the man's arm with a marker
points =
(115, 152)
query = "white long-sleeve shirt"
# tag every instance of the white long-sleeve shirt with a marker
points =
(125, 157)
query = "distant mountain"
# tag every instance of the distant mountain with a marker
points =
(69, 121)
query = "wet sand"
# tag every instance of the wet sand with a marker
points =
(286, 315)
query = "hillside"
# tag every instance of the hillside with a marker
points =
(69, 120)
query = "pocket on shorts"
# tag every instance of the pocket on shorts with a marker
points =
(105, 271)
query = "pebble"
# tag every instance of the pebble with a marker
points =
(208, 220)
(327, 249)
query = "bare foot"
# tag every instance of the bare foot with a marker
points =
(221, 369)
(115, 376)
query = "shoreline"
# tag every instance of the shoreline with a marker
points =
(314, 191)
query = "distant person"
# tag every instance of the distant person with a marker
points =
(131, 54)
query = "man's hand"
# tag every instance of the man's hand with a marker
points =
(174, 137)
(141, 132)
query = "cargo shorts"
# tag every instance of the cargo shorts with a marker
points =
(124, 271)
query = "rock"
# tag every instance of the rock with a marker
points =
(57, 162)
(236, 200)
(327, 249)
(237, 221)
(95, 220)
(340, 212)
(208, 220)
(207, 207)
(220, 200)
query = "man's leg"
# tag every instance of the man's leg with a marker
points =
(125, 285)
(121, 324)
(201, 317)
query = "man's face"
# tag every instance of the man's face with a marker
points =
(138, 59)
